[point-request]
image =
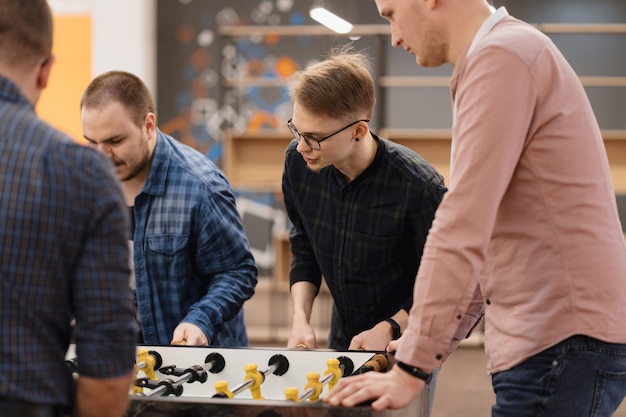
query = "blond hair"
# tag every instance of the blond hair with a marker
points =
(341, 86)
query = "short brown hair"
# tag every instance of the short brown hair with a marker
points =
(121, 87)
(25, 31)
(341, 86)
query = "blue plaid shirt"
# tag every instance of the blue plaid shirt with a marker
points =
(63, 255)
(365, 237)
(191, 254)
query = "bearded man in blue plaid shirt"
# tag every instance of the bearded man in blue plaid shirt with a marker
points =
(193, 267)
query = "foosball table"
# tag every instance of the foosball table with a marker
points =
(190, 381)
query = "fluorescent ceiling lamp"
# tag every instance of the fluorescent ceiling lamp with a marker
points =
(330, 20)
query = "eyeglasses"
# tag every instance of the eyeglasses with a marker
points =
(315, 144)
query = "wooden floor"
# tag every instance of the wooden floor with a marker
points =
(464, 388)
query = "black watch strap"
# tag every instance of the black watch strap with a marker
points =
(415, 371)
(395, 328)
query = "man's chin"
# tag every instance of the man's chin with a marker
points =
(124, 176)
(314, 167)
(121, 175)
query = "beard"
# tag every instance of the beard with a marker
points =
(135, 170)
(136, 165)
(428, 43)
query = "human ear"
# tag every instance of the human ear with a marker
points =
(43, 75)
(150, 122)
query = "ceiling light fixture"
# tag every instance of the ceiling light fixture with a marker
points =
(330, 20)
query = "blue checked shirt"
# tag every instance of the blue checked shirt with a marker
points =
(191, 254)
(63, 255)
(365, 237)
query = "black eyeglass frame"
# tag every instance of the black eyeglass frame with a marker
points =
(307, 138)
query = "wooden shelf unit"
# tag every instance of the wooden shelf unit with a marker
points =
(434, 146)
(615, 144)
(280, 276)
(254, 160)
(383, 29)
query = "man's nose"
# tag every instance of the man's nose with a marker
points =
(396, 39)
(105, 149)
(302, 145)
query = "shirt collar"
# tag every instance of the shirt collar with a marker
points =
(487, 25)
(380, 152)
(10, 92)
(157, 178)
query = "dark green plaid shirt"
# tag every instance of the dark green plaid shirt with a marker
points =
(365, 237)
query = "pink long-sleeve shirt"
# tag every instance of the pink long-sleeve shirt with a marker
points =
(530, 212)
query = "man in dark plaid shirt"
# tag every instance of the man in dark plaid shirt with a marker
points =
(63, 248)
(361, 208)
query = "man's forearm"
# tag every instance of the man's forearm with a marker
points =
(302, 296)
(102, 397)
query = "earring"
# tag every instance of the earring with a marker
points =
(356, 139)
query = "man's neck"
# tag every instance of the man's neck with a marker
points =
(363, 157)
(132, 188)
(464, 30)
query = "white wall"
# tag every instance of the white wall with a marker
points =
(124, 34)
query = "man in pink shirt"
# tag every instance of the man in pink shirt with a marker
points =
(530, 216)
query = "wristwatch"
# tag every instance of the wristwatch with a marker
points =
(395, 328)
(415, 371)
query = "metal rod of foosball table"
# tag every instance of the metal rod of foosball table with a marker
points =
(214, 363)
(148, 361)
(278, 365)
(337, 368)
(246, 384)
(160, 390)
(249, 382)
(309, 392)
(377, 363)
